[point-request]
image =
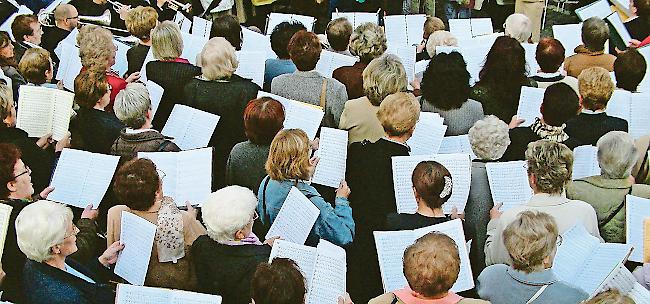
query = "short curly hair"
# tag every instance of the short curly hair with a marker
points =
(368, 42)
(96, 47)
(551, 163)
(338, 33)
(399, 113)
(304, 49)
(445, 83)
(384, 76)
(432, 264)
(9, 156)
(140, 21)
(529, 239)
(136, 183)
(596, 88)
(489, 138)
(281, 35)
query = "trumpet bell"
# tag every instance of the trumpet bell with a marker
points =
(46, 19)
(103, 19)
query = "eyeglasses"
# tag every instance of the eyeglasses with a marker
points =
(75, 17)
(75, 231)
(27, 171)
(161, 174)
(255, 216)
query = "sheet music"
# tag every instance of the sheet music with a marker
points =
(530, 101)
(155, 94)
(569, 35)
(249, 66)
(598, 9)
(192, 46)
(256, 42)
(330, 61)
(509, 183)
(201, 27)
(299, 115)
(188, 174)
(82, 177)
(456, 144)
(137, 235)
(183, 22)
(296, 218)
(143, 70)
(406, 55)
(460, 167)
(585, 162)
(474, 55)
(121, 65)
(6, 26)
(636, 211)
(481, 26)
(44, 110)
(328, 281)
(620, 104)
(465, 29)
(646, 240)
(531, 61)
(131, 294)
(333, 153)
(357, 18)
(69, 66)
(403, 167)
(191, 128)
(428, 134)
(182, 297)
(420, 67)
(615, 20)
(395, 29)
(639, 124)
(276, 18)
(415, 29)
(5, 213)
(304, 256)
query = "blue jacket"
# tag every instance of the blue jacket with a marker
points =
(333, 224)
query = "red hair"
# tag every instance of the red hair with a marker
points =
(263, 118)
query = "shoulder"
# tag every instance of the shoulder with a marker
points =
(493, 272)
(115, 212)
(569, 292)
(386, 298)
(472, 301)
(334, 83)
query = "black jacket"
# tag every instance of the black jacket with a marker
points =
(19, 50)
(135, 57)
(520, 137)
(51, 38)
(40, 161)
(588, 128)
(95, 130)
(172, 77)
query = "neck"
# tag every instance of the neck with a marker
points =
(98, 107)
(155, 207)
(146, 42)
(401, 138)
(58, 261)
(13, 196)
(147, 125)
(425, 210)
(434, 297)
(98, 1)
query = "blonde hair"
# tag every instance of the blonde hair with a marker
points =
(166, 41)
(432, 25)
(227, 211)
(610, 296)
(518, 26)
(217, 59)
(132, 104)
(41, 225)
(529, 239)
(551, 163)
(399, 113)
(289, 156)
(6, 101)
(34, 64)
(432, 264)
(596, 88)
(368, 42)
(440, 38)
(384, 76)
(489, 138)
(95, 47)
(140, 21)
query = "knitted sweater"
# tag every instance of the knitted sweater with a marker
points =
(245, 166)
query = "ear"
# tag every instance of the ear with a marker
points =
(532, 181)
(56, 249)
(11, 185)
(580, 102)
(417, 195)
(239, 235)
(547, 261)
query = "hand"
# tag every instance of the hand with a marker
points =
(456, 215)
(109, 257)
(313, 162)
(421, 47)
(133, 77)
(63, 143)
(515, 122)
(59, 85)
(46, 192)
(495, 213)
(345, 299)
(190, 209)
(44, 141)
(343, 190)
(124, 11)
(89, 213)
(271, 241)
(2, 275)
(314, 144)
(634, 43)
(415, 84)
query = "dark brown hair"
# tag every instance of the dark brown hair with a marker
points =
(9, 156)
(304, 49)
(263, 118)
(5, 41)
(89, 87)
(629, 69)
(136, 184)
(21, 26)
(549, 54)
(279, 282)
(428, 180)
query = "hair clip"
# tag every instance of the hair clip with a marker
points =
(447, 189)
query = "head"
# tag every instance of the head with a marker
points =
(560, 104)
(7, 107)
(489, 138)
(218, 59)
(384, 76)
(96, 47)
(44, 231)
(133, 106)
(166, 41)
(518, 26)
(629, 68)
(398, 114)
(91, 89)
(596, 88)
(6, 50)
(368, 42)
(27, 28)
(229, 213)
(289, 156)
(640, 8)
(531, 240)
(432, 184)
(549, 54)
(66, 17)
(431, 265)
(140, 21)
(440, 38)
(304, 50)
(228, 27)
(263, 119)
(281, 35)
(137, 184)
(14, 174)
(280, 272)
(338, 33)
(432, 25)
(595, 32)
(505, 64)
(445, 83)
(611, 296)
(550, 166)
(616, 154)
(36, 66)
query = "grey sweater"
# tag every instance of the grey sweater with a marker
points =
(458, 121)
(245, 166)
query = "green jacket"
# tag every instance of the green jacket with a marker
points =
(605, 195)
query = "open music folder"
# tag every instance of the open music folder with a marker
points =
(132, 294)
(530, 101)
(456, 144)
(274, 19)
(357, 18)
(333, 154)
(44, 110)
(404, 30)
(330, 61)
(633, 107)
(299, 115)
(137, 235)
(251, 65)
(467, 28)
(191, 128)
(509, 183)
(295, 218)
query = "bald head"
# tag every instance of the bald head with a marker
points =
(66, 16)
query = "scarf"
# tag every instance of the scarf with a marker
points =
(406, 295)
(549, 132)
(252, 239)
(169, 239)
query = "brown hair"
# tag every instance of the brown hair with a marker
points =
(432, 264)
(549, 54)
(610, 296)
(596, 88)
(429, 180)
(140, 21)
(338, 33)
(9, 156)
(89, 87)
(432, 24)
(34, 64)
(529, 239)
(5, 41)
(278, 282)
(21, 26)
(263, 119)
(289, 156)
(136, 184)
(304, 50)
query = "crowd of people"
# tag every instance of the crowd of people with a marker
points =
(54, 253)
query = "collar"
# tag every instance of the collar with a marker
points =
(31, 45)
(132, 131)
(582, 49)
(548, 75)
(587, 111)
(545, 200)
(406, 295)
(538, 278)
(546, 131)
(397, 142)
(608, 183)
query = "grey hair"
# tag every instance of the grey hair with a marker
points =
(132, 104)
(489, 138)
(166, 41)
(41, 225)
(616, 154)
(518, 26)
(595, 32)
(384, 76)
(368, 42)
(440, 38)
(227, 211)
(218, 59)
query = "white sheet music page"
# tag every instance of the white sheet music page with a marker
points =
(249, 66)
(328, 281)
(277, 18)
(296, 218)
(137, 235)
(333, 153)
(121, 64)
(569, 35)
(195, 176)
(201, 27)
(598, 9)
(531, 61)
(406, 55)
(456, 144)
(509, 183)
(191, 128)
(428, 134)
(396, 32)
(390, 251)
(143, 70)
(5, 213)
(460, 28)
(299, 115)
(70, 64)
(63, 102)
(182, 297)
(530, 101)
(415, 29)
(330, 61)
(585, 162)
(82, 178)
(403, 167)
(304, 256)
(256, 42)
(192, 46)
(617, 23)
(166, 163)
(357, 18)
(132, 294)
(636, 210)
(44, 110)
(639, 124)
(481, 26)
(155, 94)
(620, 104)
(183, 22)
(460, 167)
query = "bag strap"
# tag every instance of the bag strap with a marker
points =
(163, 145)
(537, 294)
(267, 218)
(323, 94)
(609, 218)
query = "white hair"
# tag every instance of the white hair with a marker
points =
(489, 138)
(41, 225)
(217, 59)
(132, 104)
(440, 38)
(518, 26)
(616, 154)
(227, 211)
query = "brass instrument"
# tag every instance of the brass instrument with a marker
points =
(47, 19)
(116, 5)
(179, 6)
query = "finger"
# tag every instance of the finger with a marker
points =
(454, 211)
(498, 205)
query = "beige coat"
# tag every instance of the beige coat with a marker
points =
(584, 58)
(359, 118)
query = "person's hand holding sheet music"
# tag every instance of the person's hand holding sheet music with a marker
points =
(345, 299)
(312, 165)
(63, 143)
(89, 213)
(495, 213)
(109, 257)
(343, 190)
(455, 215)
(133, 77)
(271, 241)
(190, 209)
(515, 122)
(45, 141)
(46, 192)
